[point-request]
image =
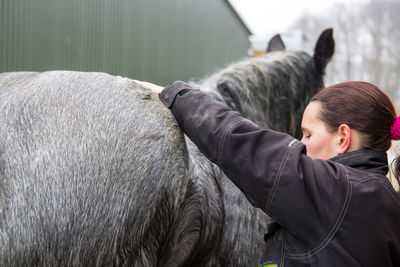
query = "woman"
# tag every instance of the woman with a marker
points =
(328, 194)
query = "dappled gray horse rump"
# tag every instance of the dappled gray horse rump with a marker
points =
(95, 171)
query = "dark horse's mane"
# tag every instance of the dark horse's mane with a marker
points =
(94, 169)
(271, 89)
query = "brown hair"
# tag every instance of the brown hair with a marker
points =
(365, 108)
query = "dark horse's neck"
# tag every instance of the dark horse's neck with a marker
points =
(272, 90)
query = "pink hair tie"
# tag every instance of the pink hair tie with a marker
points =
(395, 129)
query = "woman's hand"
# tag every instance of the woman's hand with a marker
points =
(153, 87)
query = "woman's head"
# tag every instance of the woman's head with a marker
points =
(356, 115)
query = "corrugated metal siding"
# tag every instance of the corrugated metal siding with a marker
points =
(154, 40)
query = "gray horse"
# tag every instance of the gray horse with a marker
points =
(94, 171)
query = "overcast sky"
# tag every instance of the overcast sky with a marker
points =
(273, 16)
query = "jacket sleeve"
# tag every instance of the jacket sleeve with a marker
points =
(269, 167)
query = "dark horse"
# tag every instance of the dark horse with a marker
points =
(95, 171)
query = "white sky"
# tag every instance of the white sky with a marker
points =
(273, 16)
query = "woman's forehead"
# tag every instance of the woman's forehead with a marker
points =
(310, 115)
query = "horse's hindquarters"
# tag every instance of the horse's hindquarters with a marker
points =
(90, 165)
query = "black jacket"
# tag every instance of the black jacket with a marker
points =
(338, 212)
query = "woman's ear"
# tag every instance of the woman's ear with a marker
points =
(344, 134)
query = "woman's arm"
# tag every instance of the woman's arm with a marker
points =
(250, 156)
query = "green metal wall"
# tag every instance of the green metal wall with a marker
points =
(153, 40)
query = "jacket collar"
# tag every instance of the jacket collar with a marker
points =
(374, 161)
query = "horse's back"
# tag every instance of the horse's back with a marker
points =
(84, 162)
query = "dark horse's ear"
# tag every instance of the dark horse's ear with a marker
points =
(324, 50)
(276, 44)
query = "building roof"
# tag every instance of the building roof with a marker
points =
(239, 17)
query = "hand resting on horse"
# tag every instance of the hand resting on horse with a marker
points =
(153, 87)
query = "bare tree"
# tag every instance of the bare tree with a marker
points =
(367, 42)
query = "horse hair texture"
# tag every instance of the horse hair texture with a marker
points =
(95, 171)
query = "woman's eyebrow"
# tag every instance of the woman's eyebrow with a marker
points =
(304, 129)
